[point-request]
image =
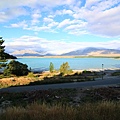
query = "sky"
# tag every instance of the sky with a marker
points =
(59, 26)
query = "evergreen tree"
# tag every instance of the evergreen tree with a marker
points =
(51, 67)
(3, 55)
(16, 68)
(2, 49)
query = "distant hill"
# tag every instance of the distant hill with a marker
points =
(30, 53)
(92, 51)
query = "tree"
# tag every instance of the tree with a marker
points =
(16, 68)
(51, 67)
(2, 54)
(65, 68)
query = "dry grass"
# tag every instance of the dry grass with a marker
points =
(25, 80)
(13, 81)
(88, 111)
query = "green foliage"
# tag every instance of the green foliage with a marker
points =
(3, 65)
(65, 69)
(30, 75)
(16, 68)
(2, 57)
(87, 72)
(117, 73)
(51, 67)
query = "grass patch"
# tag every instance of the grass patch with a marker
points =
(47, 78)
(88, 111)
(62, 104)
(117, 73)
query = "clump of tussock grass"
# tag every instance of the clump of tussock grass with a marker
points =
(89, 111)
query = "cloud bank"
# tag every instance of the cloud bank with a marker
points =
(54, 47)
(99, 17)
(71, 17)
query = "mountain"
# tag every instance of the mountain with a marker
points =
(30, 53)
(93, 51)
(90, 51)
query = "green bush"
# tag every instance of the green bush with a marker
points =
(31, 75)
(16, 68)
(51, 67)
(116, 73)
(65, 69)
(87, 72)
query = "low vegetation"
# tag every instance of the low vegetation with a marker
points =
(65, 69)
(51, 67)
(16, 68)
(62, 104)
(47, 78)
(117, 73)
(16, 74)
(98, 111)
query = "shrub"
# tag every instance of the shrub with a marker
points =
(51, 67)
(31, 75)
(65, 69)
(87, 72)
(117, 73)
(16, 68)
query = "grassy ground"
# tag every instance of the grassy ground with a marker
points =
(35, 111)
(62, 104)
(47, 78)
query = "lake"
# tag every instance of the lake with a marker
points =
(42, 64)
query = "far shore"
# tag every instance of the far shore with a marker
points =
(87, 56)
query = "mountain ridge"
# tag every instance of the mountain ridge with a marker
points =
(80, 52)
(90, 50)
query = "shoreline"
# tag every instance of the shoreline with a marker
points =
(81, 70)
(72, 56)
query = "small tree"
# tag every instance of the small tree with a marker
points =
(16, 68)
(51, 67)
(65, 68)
(2, 54)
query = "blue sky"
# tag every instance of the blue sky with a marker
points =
(58, 26)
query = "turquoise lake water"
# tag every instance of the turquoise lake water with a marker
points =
(41, 64)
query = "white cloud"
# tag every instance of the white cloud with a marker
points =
(22, 24)
(40, 44)
(64, 12)
(99, 17)
(47, 20)
(16, 3)
(75, 27)
(106, 22)
(52, 24)
(34, 3)
(64, 23)
(102, 17)
(12, 13)
(35, 17)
